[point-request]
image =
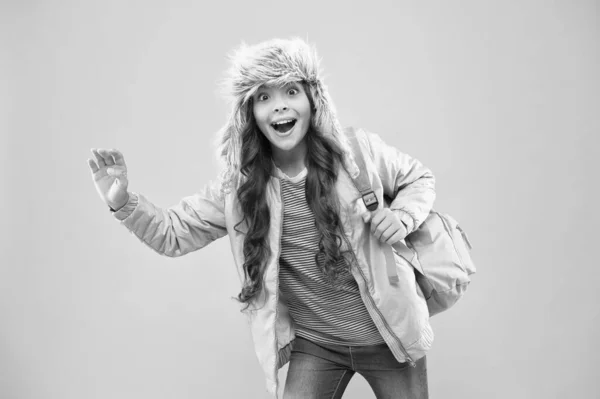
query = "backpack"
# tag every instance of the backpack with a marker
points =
(439, 250)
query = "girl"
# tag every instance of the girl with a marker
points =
(310, 256)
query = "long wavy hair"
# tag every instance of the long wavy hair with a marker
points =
(324, 158)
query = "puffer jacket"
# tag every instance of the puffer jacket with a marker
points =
(398, 309)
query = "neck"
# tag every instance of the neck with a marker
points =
(290, 162)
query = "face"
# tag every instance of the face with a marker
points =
(283, 116)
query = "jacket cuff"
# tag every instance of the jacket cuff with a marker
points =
(407, 219)
(128, 208)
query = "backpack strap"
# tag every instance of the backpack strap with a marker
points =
(362, 180)
(363, 185)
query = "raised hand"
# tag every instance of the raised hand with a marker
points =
(110, 176)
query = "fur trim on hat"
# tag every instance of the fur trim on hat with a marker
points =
(274, 62)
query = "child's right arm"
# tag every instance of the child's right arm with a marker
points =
(190, 225)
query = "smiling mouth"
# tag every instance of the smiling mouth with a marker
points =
(284, 126)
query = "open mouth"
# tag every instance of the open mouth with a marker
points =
(284, 126)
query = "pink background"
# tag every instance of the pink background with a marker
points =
(500, 99)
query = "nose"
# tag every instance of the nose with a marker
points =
(279, 104)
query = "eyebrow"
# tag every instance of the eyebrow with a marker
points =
(295, 84)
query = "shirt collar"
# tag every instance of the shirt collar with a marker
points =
(278, 173)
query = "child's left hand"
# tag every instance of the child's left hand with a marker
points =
(386, 225)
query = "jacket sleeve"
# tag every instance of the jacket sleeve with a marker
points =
(410, 184)
(193, 223)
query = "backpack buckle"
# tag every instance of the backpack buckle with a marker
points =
(370, 201)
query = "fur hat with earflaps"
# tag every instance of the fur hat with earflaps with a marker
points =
(275, 62)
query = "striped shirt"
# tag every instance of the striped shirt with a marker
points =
(320, 313)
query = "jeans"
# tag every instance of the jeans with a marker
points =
(323, 371)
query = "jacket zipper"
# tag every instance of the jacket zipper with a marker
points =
(277, 294)
(371, 305)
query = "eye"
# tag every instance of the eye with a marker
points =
(262, 97)
(293, 92)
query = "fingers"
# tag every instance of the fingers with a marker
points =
(396, 237)
(107, 156)
(384, 230)
(99, 158)
(380, 221)
(104, 157)
(93, 166)
(118, 157)
(392, 234)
